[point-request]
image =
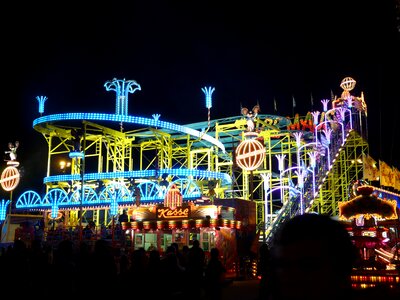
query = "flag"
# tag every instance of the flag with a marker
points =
(332, 95)
(387, 174)
(312, 101)
(396, 178)
(370, 170)
(275, 107)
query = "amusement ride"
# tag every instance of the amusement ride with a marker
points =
(247, 173)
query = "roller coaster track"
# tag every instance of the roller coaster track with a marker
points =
(312, 192)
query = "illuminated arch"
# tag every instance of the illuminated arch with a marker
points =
(55, 196)
(188, 188)
(28, 199)
(90, 196)
(117, 191)
(150, 190)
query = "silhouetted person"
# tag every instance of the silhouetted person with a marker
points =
(15, 272)
(171, 273)
(195, 270)
(64, 268)
(184, 256)
(102, 270)
(312, 257)
(83, 262)
(264, 270)
(123, 217)
(154, 273)
(179, 255)
(76, 140)
(214, 276)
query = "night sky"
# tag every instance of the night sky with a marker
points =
(251, 52)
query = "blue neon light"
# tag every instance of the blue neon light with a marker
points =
(41, 100)
(150, 192)
(122, 88)
(114, 208)
(3, 209)
(131, 120)
(208, 92)
(76, 154)
(141, 174)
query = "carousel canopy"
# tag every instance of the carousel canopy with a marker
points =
(367, 204)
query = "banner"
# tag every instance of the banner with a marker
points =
(370, 170)
(387, 174)
(396, 178)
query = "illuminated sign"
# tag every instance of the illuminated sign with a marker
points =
(58, 216)
(9, 178)
(250, 154)
(168, 213)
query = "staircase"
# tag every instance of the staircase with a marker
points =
(331, 180)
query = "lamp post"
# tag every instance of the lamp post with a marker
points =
(82, 182)
(267, 213)
(79, 154)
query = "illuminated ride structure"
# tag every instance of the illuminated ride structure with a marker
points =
(130, 162)
(373, 224)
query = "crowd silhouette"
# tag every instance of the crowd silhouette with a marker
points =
(311, 257)
(84, 271)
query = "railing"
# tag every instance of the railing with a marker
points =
(292, 206)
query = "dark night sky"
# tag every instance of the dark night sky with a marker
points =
(252, 51)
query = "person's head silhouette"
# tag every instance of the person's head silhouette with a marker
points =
(312, 257)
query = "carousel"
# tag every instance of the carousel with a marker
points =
(373, 224)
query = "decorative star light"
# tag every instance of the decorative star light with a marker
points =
(41, 100)
(315, 115)
(122, 87)
(208, 92)
(325, 103)
(297, 136)
(281, 159)
(156, 117)
(328, 134)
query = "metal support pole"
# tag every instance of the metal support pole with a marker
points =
(82, 183)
